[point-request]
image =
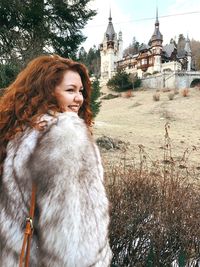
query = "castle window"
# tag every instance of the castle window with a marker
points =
(144, 61)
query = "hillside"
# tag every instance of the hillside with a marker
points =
(140, 120)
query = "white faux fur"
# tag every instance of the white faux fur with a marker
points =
(71, 220)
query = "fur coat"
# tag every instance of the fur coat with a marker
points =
(71, 218)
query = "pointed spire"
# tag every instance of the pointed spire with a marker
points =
(110, 18)
(188, 46)
(110, 32)
(157, 22)
(156, 35)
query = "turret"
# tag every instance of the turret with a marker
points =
(120, 46)
(189, 54)
(157, 37)
(111, 51)
(156, 44)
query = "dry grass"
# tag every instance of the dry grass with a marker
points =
(155, 210)
(154, 193)
(140, 120)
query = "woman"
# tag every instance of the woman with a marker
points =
(45, 119)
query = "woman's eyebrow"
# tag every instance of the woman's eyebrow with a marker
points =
(70, 84)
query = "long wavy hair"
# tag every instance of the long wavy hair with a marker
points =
(31, 95)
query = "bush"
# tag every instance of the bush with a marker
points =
(185, 92)
(167, 70)
(137, 83)
(155, 72)
(156, 96)
(147, 74)
(109, 96)
(155, 212)
(171, 95)
(95, 103)
(120, 82)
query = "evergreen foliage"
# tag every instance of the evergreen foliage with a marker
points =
(7, 74)
(133, 48)
(120, 82)
(30, 28)
(195, 46)
(181, 42)
(91, 60)
(123, 81)
(95, 103)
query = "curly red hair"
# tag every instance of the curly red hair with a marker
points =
(32, 94)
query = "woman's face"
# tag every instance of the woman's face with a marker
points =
(69, 92)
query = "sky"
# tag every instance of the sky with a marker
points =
(136, 18)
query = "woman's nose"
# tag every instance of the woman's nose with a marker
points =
(78, 97)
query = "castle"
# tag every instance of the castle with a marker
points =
(152, 58)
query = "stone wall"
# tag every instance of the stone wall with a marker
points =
(170, 80)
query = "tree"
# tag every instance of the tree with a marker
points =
(29, 28)
(95, 103)
(132, 48)
(7, 75)
(82, 55)
(195, 46)
(91, 60)
(181, 42)
(120, 82)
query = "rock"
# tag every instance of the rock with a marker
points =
(109, 143)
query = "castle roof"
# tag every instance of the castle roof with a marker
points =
(110, 32)
(157, 34)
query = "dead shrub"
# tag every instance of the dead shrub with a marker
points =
(155, 213)
(110, 96)
(127, 94)
(171, 95)
(176, 91)
(185, 92)
(156, 96)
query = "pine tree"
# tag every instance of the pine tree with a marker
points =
(29, 28)
(91, 60)
(95, 103)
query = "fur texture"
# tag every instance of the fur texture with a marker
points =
(71, 218)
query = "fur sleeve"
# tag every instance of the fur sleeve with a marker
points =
(72, 203)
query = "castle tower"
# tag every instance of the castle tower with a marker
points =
(156, 45)
(111, 51)
(120, 46)
(188, 50)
